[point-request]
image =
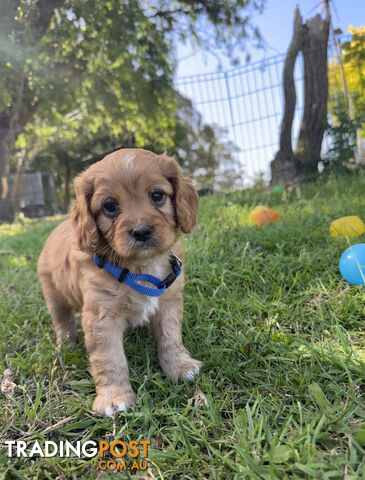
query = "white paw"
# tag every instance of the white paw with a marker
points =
(122, 407)
(108, 412)
(110, 403)
(191, 374)
(180, 367)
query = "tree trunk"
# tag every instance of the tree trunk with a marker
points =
(308, 151)
(312, 39)
(283, 167)
(22, 163)
(25, 159)
(6, 147)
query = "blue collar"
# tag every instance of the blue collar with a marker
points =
(123, 275)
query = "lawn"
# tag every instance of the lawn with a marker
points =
(281, 334)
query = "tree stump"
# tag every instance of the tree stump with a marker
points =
(283, 167)
(314, 122)
(312, 40)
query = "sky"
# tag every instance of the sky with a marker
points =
(275, 25)
(248, 101)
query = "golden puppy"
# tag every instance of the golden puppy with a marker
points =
(129, 211)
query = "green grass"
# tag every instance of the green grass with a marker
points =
(281, 335)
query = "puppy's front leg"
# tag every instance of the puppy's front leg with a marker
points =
(174, 358)
(109, 367)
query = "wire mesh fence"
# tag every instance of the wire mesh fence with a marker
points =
(247, 102)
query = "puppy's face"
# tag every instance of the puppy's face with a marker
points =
(133, 203)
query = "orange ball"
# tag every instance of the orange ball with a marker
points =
(253, 214)
(266, 216)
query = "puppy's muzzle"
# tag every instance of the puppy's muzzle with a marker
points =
(142, 233)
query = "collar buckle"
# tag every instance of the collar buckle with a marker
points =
(175, 264)
(100, 261)
(123, 274)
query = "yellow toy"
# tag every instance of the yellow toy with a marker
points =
(343, 227)
(253, 214)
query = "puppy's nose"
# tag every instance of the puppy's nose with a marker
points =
(142, 233)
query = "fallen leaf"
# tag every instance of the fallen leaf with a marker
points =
(7, 384)
(199, 398)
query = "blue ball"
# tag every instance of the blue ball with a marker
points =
(352, 264)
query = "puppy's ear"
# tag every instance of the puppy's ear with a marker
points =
(186, 204)
(185, 196)
(87, 235)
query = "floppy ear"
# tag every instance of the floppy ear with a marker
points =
(186, 204)
(87, 235)
(185, 196)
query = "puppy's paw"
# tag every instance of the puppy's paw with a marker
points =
(182, 367)
(110, 402)
(66, 336)
(191, 374)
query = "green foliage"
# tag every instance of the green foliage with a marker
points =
(347, 99)
(280, 332)
(346, 102)
(202, 150)
(342, 134)
(95, 71)
(354, 68)
(352, 71)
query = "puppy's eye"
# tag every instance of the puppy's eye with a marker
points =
(110, 208)
(157, 197)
